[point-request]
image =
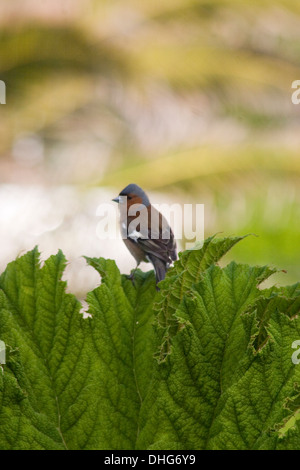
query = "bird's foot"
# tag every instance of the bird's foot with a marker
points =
(131, 275)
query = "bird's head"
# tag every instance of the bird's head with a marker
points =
(133, 194)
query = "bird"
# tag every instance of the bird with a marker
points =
(145, 231)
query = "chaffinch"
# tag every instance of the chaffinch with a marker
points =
(145, 231)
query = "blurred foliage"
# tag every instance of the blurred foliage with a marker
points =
(192, 97)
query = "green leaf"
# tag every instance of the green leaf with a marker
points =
(255, 407)
(122, 333)
(227, 380)
(53, 370)
(186, 272)
(206, 352)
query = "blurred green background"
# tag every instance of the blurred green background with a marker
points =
(189, 99)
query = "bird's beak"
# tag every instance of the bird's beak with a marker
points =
(116, 199)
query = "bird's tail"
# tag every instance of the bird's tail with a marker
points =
(159, 268)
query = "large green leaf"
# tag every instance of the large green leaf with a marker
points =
(186, 272)
(122, 334)
(227, 381)
(218, 391)
(49, 369)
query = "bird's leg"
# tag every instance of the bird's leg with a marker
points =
(131, 275)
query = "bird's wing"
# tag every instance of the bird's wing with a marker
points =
(162, 248)
(159, 238)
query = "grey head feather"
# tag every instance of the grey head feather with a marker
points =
(135, 189)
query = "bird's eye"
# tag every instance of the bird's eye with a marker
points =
(129, 197)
